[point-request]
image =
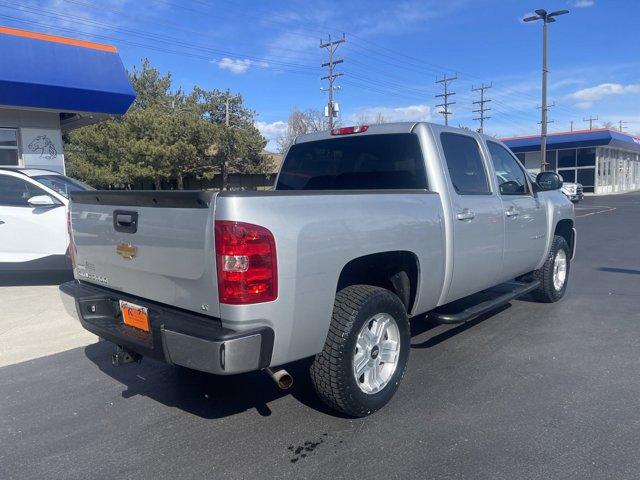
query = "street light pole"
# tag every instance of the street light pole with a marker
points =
(546, 19)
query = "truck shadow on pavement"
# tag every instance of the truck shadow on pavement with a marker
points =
(207, 396)
(213, 397)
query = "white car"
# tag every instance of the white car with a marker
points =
(33, 218)
(573, 191)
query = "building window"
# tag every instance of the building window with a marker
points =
(568, 175)
(586, 157)
(8, 146)
(586, 177)
(566, 158)
(551, 160)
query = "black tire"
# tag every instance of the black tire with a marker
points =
(547, 292)
(332, 370)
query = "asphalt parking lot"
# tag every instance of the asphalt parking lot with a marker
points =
(531, 391)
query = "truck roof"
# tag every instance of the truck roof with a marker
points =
(374, 129)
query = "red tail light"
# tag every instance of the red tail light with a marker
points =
(246, 263)
(350, 130)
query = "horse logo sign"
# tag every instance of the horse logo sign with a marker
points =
(44, 146)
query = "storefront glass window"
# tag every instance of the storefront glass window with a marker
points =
(586, 157)
(566, 158)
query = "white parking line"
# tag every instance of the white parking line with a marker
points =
(605, 209)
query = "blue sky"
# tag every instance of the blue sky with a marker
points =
(269, 52)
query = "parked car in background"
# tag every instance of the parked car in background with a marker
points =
(573, 191)
(367, 227)
(33, 218)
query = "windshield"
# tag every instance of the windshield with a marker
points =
(387, 161)
(61, 184)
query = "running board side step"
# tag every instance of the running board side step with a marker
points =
(474, 311)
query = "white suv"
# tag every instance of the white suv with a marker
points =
(33, 218)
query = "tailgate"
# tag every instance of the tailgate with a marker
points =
(155, 245)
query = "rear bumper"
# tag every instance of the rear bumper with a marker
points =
(176, 337)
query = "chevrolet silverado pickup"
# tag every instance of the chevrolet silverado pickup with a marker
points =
(367, 226)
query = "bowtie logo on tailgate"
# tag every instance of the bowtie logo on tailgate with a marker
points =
(126, 251)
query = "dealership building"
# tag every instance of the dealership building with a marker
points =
(602, 160)
(50, 85)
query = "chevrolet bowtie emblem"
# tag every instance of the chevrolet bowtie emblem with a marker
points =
(126, 251)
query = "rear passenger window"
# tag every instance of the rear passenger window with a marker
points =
(464, 162)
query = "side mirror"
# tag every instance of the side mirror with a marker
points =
(41, 201)
(549, 181)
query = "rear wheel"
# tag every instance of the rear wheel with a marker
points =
(554, 274)
(366, 351)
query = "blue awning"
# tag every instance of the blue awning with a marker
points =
(58, 73)
(578, 139)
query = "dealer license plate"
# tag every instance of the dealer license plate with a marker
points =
(135, 315)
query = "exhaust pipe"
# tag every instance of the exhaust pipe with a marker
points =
(282, 378)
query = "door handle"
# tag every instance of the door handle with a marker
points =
(1, 222)
(466, 214)
(511, 212)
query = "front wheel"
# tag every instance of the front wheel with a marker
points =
(554, 274)
(366, 351)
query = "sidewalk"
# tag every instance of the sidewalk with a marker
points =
(33, 324)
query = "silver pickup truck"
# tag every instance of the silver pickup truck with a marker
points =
(367, 227)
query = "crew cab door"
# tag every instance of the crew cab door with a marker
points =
(524, 214)
(476, 217)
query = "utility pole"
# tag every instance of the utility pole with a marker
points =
(622, 124)
(546, 18)
(590, 120)
(482, 109)
(548, 107)
(331, 47)
(445, 97)
(571, 125)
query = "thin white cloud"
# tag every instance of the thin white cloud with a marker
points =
(583, 3)
(234, 65)
(585, 97)
(410, 113)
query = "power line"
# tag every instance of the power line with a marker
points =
(482, 109)
(445, 97)
(331, 46)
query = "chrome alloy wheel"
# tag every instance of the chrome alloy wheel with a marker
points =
(376, 355)
(559, 270)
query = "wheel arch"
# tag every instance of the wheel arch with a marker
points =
(397, 271)
(565, 229)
